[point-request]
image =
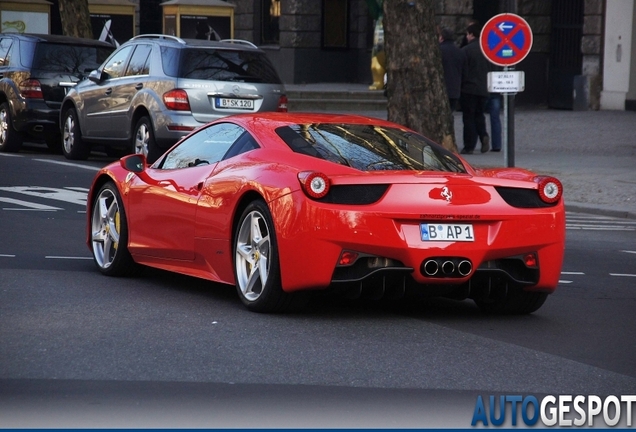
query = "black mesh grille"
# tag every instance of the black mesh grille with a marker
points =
(354, 194)
(523, 198)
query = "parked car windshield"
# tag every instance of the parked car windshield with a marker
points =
(69, 58)
(218, 65)
(369, 148)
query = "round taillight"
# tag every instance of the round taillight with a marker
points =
(550, 189)
(315, 184)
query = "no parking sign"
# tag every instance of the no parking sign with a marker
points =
(506, 39)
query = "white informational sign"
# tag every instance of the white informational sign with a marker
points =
(506, 81)
(24, 22)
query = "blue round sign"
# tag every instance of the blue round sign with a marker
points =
(506, 39)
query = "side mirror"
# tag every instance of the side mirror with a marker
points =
(134, 163)
(96, 76)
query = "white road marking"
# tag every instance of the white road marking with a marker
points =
(626, 251)
(58, 194)
(622, 274)
(599, 228)
(67, 257)
(30, 205)
(578, 221)
(7, 256)
(10, 155)
(572, 273)
(92, 168)
(77, 188)
(564, 281)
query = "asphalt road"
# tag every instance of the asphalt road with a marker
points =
(78, 349)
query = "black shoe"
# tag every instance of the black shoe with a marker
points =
(485, 144)
(465, 151)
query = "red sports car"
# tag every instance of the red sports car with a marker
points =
(281, 203)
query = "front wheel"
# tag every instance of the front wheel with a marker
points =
(10, 139)
(256, 265)
(73, 146)
(109, 233)
(144, 140)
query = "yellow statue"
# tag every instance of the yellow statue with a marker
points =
(378, 58)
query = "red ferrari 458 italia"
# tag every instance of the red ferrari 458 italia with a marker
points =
(282, 203)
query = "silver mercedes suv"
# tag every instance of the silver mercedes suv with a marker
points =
(154, 89)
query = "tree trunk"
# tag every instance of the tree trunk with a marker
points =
(76, 20)
(416, 89)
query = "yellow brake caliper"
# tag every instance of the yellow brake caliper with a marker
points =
(117, 222)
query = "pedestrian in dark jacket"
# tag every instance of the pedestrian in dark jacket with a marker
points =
(453, 62)
(474, 93)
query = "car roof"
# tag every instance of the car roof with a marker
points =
(277, 119)
(196, 43)
(57, 39)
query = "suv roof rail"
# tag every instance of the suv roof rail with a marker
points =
(160, 36)
(239, 41)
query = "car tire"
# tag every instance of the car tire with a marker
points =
(144, 140)
(514, 302)
(256, 265)
(10, 139)
(73, 146)
(109, 234)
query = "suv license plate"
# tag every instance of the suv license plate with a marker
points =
(447, 232)
(228, 103)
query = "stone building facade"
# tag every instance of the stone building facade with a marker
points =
(583, 54)
(302, 56)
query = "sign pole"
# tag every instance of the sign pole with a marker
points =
(505, 40)
(510, 155)
(504, 132)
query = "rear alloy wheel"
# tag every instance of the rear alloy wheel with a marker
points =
(109, 233)
(144, 140)
(515, 301)
(256, 265)
(73, 146)
(10, 139)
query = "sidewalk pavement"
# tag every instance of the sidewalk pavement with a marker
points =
(593, 153)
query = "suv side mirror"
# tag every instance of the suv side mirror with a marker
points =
(96, 76)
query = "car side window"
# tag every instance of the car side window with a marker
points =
(139, 64)
(205, 147)
(5, 46)
(114, 66)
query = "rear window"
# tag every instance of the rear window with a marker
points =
(219, 65)
(75, 59)
(369, 148)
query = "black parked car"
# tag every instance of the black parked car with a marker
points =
(36, 70)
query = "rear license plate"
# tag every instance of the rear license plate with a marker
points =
(447, 232)
(228, 103)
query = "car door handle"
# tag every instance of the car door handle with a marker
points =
(109, 91)
(139, 86)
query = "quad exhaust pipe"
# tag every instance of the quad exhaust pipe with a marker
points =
(446, 267)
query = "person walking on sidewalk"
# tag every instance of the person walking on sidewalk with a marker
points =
(474, 93)
(452, 62)
(493, 107)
